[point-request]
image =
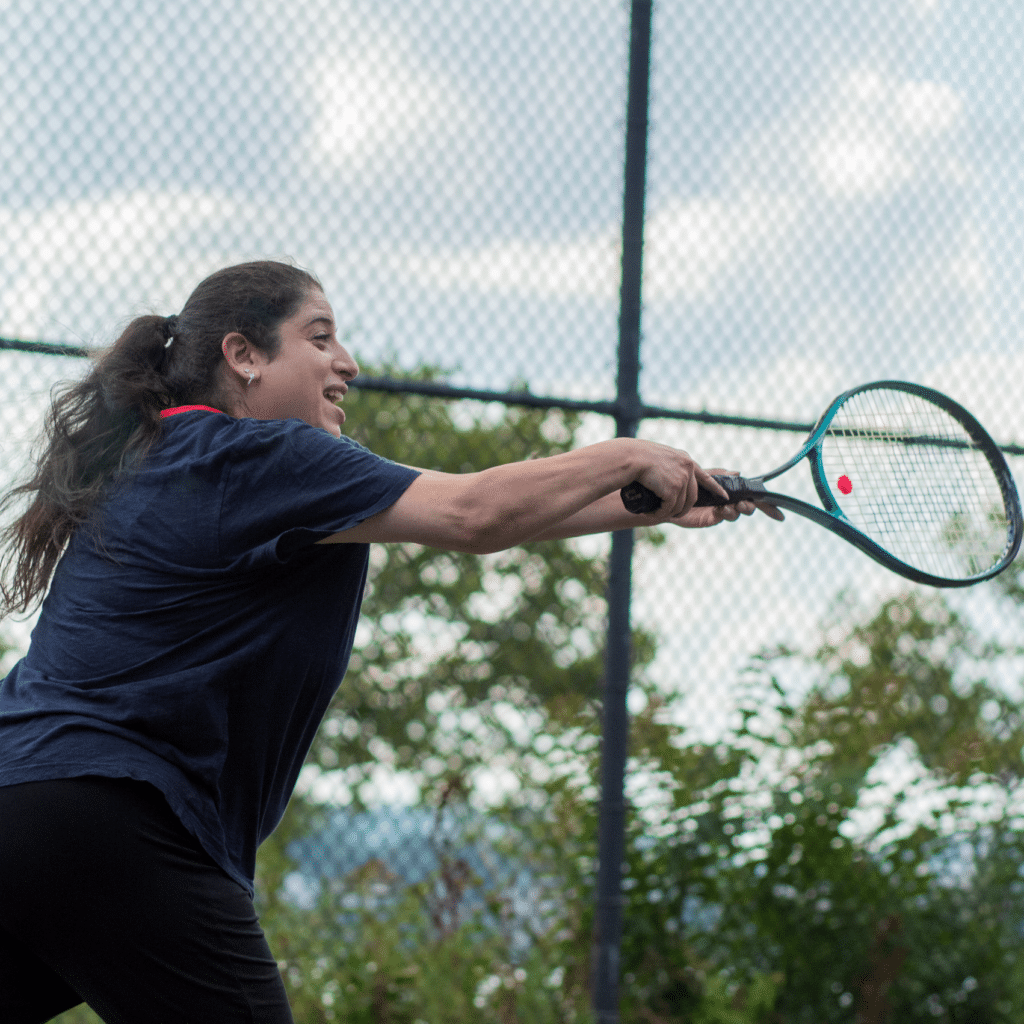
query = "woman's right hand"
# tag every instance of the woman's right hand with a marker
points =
(673, 476)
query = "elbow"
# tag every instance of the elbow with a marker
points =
(482, 530)
(485, 518)
(483, 537)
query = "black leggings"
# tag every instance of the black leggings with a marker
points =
(106, 899)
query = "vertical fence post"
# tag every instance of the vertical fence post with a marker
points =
(615, 727)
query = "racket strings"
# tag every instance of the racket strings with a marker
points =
(916, 483)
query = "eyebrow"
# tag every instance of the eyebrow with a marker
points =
(320, 320)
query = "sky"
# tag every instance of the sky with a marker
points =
(833, 197)
(829, 184)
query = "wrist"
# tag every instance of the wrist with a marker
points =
(626, 461)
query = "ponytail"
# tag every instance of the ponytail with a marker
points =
(103, 426)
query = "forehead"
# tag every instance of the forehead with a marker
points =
(314, 309)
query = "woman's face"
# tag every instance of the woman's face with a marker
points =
(308, 376)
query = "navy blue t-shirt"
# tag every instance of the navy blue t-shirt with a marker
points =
(197, 644)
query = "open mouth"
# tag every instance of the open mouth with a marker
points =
(334, 396)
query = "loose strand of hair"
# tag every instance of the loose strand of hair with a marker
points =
(87, 445)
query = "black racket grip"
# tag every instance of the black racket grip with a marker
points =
(641, 501)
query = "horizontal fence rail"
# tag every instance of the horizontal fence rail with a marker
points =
(393, 385)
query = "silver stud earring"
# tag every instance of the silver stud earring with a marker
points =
(252, 377)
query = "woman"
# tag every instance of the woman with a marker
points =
(199, 526)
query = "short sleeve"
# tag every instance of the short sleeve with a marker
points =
(289, 485)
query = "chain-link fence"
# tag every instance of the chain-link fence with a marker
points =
(824, 778)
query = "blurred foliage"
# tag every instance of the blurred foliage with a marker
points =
(458, 652)
(859, 847)
(850, 853)
(374, 946)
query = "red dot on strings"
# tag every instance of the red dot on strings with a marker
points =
(845, 485)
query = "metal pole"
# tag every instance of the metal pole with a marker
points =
(615, 726)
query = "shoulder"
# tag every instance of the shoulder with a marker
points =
(210, 433)
(274, 455)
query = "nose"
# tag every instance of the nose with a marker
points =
(345, 365)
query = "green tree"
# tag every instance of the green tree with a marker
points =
(460, 656)
(773, 872)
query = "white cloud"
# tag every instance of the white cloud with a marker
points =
(881, 133)
(71, 264)
(927, 108)
(864, 87)
(587, 266)
(715, 597)
(969, 270)
(862, 164)
(693, 244)
(377, 100)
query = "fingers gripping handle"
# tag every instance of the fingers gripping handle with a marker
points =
(640, 500)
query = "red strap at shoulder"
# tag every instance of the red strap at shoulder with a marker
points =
(174, 410)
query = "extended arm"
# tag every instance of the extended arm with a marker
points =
(608, 514)
(506, 505)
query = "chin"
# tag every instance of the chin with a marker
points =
(335, 420)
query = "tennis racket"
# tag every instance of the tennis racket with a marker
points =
(903, 473)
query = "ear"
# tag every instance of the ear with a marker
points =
(240, 355)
